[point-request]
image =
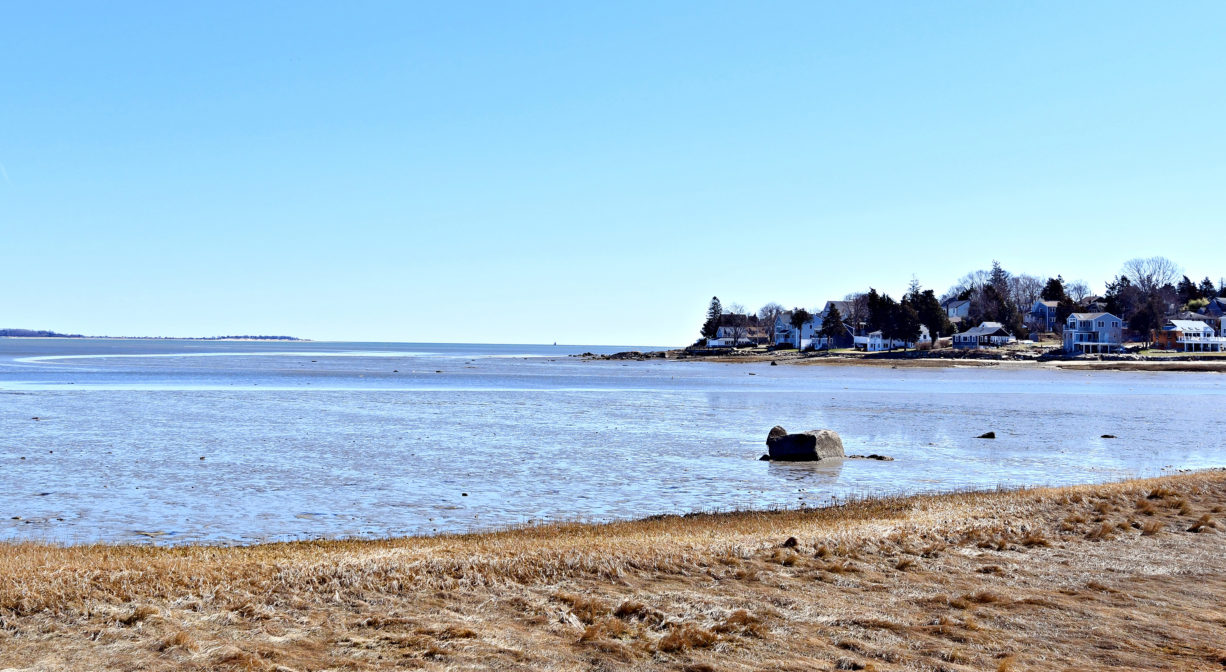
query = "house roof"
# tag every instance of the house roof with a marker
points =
(1187, 325)
(987, 329)
(845, 307)
(1049, 304)
(1092, 316)
(948, 303)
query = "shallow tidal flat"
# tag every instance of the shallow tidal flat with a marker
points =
(1130, 575)
(180, 442)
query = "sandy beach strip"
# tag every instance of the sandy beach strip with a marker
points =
(1128, 575)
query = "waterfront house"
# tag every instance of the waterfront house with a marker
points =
(1042, 316)
(1188, 336)
(875, 341)
(986, 335)
(846, 337)
(786, 334)
(731, 337)
(1093, 333)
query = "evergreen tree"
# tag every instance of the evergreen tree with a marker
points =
(1146, 320)
(877, 310)
(800, 317)
(832, 326)
(1054, 290)
(906, 324)
(931, 314)
(1187, 290)
(1207, 289)
(1122, 297)
(714, 312)
(999, 278)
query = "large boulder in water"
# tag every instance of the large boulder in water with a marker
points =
(813, 445)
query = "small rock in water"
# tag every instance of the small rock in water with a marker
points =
(987, 435)
(34, 418)
(463, 494)
(774, 363)
(1108, 436)
(764, 458)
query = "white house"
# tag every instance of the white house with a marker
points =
(876, 342)
(986, 335)
(729, 337)
(786, 334)
(1093, 332)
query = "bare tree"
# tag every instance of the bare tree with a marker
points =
(1024, 290)
(737, 323)
(1077, 291)
(1151, 274)
(972, 281)
(858, 313)
(767, 315)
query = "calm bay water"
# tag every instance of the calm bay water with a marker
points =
(238, 442)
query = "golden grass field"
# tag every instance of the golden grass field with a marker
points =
(1122, 576)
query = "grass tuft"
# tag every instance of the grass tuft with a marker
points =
(686, 636)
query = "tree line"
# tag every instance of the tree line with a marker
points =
(1144, 293)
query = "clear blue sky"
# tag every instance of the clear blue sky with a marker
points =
(583, 172)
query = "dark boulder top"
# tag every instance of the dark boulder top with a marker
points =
(813, 445)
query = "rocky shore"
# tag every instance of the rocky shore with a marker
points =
(1124, 576)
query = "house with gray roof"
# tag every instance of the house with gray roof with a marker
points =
(1188, 336)
(1042, 316)
(801, 339)
(1093, 333)
(986, 335)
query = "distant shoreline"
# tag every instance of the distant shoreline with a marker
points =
(79, 337)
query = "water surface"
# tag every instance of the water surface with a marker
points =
(238, 442)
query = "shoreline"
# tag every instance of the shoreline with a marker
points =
(1128, 575)
(899, 360)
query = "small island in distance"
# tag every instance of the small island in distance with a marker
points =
(43, 333)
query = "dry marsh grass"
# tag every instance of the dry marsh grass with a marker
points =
(1121, 576)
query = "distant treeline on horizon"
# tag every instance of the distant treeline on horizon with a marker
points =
(42, 333)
